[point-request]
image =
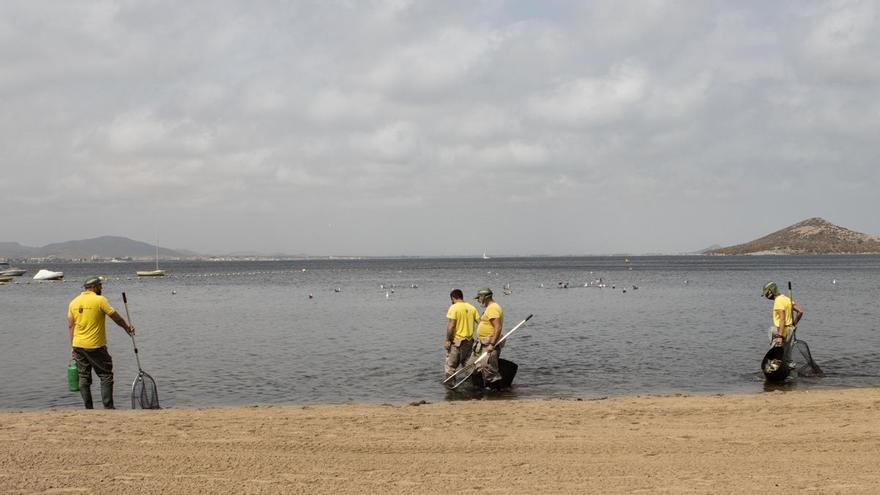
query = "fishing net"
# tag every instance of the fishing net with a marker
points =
(798, 355)
(144, 393)
(462, 376)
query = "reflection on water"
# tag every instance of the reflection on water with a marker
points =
(248, 332)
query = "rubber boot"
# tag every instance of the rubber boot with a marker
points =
(86, 393)
(107, 395)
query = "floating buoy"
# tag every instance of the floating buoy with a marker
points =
(311, 296)
(337, 290)
(173, 292)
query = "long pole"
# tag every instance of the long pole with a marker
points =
(133, 344)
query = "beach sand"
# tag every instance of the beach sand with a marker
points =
(793, 442)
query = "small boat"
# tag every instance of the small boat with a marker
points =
(5, 279)
(151, 273)
(48, 275)
(485, 256)
(12, 272)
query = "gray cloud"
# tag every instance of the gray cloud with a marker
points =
(396, 127)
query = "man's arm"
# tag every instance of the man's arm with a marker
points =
(121, 322)
(496, 323)
(450, 333)
(780, 316)
(798, 314)
(71, 323)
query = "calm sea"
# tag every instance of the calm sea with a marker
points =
(227, 333)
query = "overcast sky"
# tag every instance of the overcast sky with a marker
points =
(436, 128)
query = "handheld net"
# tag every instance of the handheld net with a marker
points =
(144, 393)
(798, 355)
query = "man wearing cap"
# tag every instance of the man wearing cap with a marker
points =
(85, 322)
(461, 319)
(784, 322)
(488, 333)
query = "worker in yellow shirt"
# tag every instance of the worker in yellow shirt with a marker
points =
(786, 315)
(85, 322)
(488, 333)
(461, 321)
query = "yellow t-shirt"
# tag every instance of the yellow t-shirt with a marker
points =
(784, 303)
(485, 328)
(464, 314)
(88, 310)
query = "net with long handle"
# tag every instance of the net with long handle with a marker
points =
(144, 392)
(799, 358)
(802, 359)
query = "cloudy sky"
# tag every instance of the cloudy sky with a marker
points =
(393, 127)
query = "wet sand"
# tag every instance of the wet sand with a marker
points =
(792, 442)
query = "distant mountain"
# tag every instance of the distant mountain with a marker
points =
(14, 250)
(713, 247)
(102, 247)
(812, 236)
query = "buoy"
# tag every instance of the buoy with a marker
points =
(173, 292)
(311, 296)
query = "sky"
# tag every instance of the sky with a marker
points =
(397, 127)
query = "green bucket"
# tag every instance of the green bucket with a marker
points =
(72, 377)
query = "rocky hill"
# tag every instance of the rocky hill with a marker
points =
(102, 247)
(812, 236)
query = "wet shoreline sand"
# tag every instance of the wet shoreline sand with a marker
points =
(826, 441)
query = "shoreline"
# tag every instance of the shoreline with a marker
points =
(818, 440)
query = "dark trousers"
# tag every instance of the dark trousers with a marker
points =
(99, 360)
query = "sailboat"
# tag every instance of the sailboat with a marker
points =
(485, 256)
(153, 273)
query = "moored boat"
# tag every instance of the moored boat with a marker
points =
(12, 272)
(151, 273)
(48, 275)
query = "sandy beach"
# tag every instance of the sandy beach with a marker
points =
(792, 442)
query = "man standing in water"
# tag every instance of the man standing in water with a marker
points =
(85, 322)
(461, 319)
(489, 331)
(784, 322)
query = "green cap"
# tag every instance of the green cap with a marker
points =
(770, 289)
(94, 280)
(483, 293)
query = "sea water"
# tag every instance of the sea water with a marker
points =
(231, 333)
